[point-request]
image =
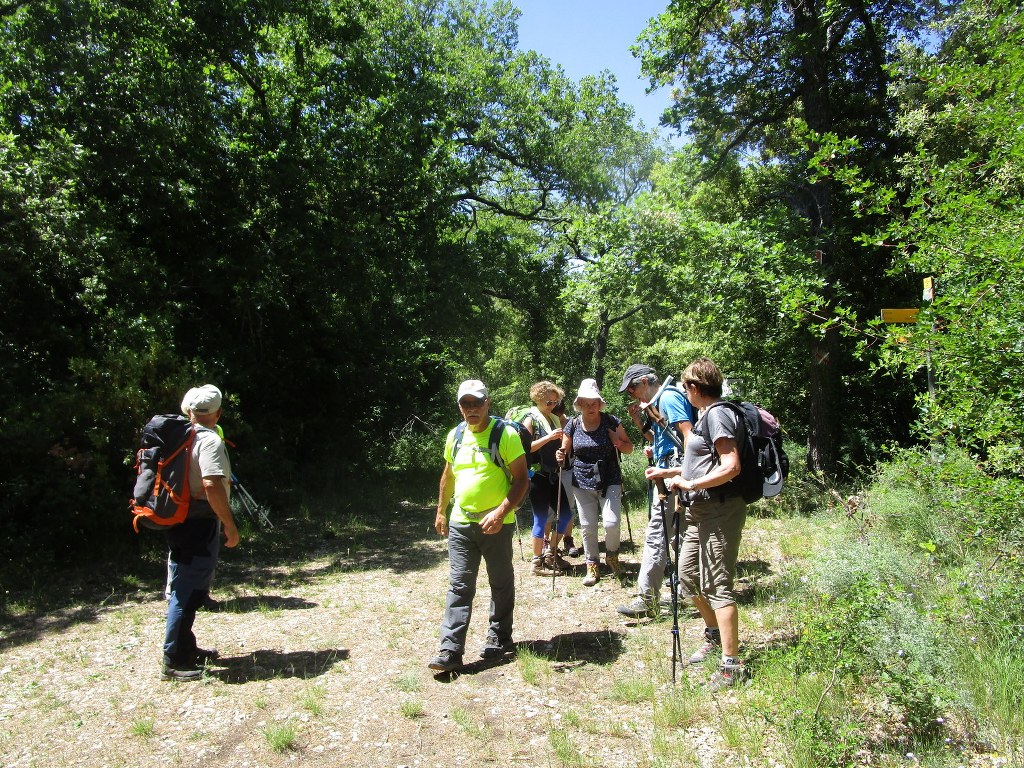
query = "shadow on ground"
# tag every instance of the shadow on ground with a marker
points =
(598, 647)
(251, 603)
(267, 665)
(565, 652)
(294, 553)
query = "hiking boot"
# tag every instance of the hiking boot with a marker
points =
(553, 563)
(611, 559)
(571, 550)
(727, 676)
(496, 649)
(446, 661)
(182, 673)
(639, 608)
(593, 575)
(538, 567)
(712, 645)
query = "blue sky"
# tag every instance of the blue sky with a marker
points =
(588, 36)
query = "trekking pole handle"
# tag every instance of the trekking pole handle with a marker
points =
(658, 418)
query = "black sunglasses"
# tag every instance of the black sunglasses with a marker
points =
(471, 402)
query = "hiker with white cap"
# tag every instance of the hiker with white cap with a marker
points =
(591, 442)
(486, 475)
(197, 394)
(194, 544)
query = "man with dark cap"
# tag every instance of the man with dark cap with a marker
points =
(195, 544)
(486, 474)
(640, 382)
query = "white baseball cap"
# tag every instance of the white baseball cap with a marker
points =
(473, 388)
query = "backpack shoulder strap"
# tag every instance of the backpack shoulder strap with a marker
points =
(494, 445)
(460, 432)
(540, 423)
(606, 418)
(570, 430)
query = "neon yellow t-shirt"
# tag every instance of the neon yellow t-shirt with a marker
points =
(480, 484)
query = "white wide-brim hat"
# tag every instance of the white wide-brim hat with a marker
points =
(588, 391)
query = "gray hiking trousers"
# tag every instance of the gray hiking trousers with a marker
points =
(467, 546)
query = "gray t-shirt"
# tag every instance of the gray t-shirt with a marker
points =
(209, 459)
(700, 458)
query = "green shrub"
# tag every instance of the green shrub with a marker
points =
(968, 522)
(864, 623)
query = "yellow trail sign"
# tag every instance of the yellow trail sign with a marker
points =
(899, 315)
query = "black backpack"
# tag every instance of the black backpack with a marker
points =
(763, 462)
(162, 496)
(494, 439)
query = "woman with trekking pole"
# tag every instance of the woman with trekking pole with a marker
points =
(589, 445)
(717, 513)
(547, 496)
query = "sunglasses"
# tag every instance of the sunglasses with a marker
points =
(471, 402)
(552, 403)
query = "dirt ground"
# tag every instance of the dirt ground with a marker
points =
(325, 657)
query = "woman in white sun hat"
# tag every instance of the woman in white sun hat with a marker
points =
(592, 441)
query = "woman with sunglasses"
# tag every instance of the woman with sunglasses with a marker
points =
(717, 513)
(545, 487)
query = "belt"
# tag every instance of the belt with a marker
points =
(474, 516)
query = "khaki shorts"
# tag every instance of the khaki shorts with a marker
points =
(709, 549)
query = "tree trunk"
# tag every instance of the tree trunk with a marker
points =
(823, 365)
(601, 345)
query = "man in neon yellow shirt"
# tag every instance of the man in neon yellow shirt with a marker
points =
(486, 474)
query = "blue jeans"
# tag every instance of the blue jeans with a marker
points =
(467, 545)
(194, 548)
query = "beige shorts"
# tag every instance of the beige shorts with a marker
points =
(709, 549)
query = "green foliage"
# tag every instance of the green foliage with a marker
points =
(958, 216)
(272, 198)
(281, 737)
(802, 101)
(971, 520)
(865, 631)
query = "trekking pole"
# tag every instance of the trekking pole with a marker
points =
(625, 507)
(256, 511)
(677, 646)
(650, 489)
(519, 534)
(629, 528)
(672, 573)
(554, 550)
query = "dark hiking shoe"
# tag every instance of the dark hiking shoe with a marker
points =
(495, 649)
(446, 661)
(727, 676)
(182, 673)
(554, 564)
(639, 608)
